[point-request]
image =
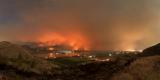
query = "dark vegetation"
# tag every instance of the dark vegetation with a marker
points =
(151, 51)
(16, 63)
(67, 62)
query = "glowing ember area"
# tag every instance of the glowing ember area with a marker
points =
(132, 50)
(59, 55)
(51, 49)
(51, 55)
(74, 41)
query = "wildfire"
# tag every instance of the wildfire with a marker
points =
(75, 41)
(51, 49)
(59, 55)
(132, 50)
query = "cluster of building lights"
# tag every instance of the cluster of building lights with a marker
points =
(61, 53)
(70, 53)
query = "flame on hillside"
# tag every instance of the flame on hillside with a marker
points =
(75, 41)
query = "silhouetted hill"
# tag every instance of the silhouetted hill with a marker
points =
(15, 58)
(12, 51)
(151, 51)
(16, 63)
(147, 68)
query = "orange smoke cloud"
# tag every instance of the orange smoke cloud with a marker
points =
(75, 40)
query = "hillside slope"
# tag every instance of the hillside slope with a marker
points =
(16, 60)
(147, 68)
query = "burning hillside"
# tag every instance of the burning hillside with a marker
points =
(73, 41)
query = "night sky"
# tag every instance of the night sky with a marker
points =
(105, 24)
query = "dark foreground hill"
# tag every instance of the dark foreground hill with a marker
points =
(152, 51)
(95, 70)
(142, 69)
(16, 63)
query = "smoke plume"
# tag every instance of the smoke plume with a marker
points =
(94, 24)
